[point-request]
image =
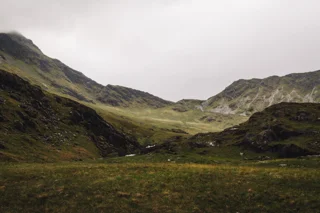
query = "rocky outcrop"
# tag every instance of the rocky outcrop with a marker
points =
(288, 129)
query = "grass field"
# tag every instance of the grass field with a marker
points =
(160, 187)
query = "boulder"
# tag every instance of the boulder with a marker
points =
(2, 100)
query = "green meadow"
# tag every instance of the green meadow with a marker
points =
(128, 184)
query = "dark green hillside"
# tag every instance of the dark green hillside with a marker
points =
(287, 129)
(37, 126)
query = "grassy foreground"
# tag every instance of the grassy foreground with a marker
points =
(159, 187)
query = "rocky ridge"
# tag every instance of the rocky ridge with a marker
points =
(21, 56)
(249, 96)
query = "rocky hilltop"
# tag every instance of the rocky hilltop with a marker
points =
(248, 96)
(38, 126)
(286, 129)
(21, 56)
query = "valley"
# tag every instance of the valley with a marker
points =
(70, 144)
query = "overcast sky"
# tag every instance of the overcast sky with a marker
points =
(172, 48)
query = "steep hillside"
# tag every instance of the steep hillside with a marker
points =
(249, 96)
(287, 129)
(38, 126)
(123, 96)
(19, 55)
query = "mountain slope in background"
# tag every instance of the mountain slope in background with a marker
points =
(287, 129)
(19, 55)
(38, 126)
(248, 96)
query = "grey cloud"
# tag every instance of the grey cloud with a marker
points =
(173, 49)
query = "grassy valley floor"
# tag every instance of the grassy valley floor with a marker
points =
(128, 184)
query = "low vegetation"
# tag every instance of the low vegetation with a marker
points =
(160, 187)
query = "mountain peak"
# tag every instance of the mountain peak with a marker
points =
(19, 39)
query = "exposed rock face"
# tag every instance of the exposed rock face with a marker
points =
(106, 138)
(2, 59)
(249, 96)
(289, 129)
(27, 110)
(65, 80)
(187, 104)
